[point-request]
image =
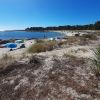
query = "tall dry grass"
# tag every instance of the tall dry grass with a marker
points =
(6, 60)
(42, 47)
(96, 62)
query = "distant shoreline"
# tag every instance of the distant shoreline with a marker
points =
(63, 32)
(50, 30)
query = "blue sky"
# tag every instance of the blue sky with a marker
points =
(19, 14)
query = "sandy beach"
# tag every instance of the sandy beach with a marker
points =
(16, 52)
(80, 51)
(73, 33)
(61, 71)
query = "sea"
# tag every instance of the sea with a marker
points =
(6, 35)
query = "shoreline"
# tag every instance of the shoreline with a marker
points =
(63, 32)
(75, 32)
(30, 42)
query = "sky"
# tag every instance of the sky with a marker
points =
(20, 14)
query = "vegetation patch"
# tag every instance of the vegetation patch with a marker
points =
(90, 36)
(5, 61)
(72, 40)
(49, 77)
(96, 62)
(42, 47)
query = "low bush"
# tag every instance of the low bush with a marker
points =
(36, 48)
(90, 36)
(42, 47)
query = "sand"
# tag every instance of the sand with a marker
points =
(73, 33)
(78, 51)
(16, 52)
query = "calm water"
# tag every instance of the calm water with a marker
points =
(28, 35)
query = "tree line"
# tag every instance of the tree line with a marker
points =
(95, 26)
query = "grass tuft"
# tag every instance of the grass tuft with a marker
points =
(6, 60)
(96, 61)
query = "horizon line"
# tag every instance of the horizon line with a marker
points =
(22, 29)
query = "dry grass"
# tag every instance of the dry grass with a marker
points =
(38, 80)
(72, 40)
(40, 41)
(46, 45)
(6, 60)
(42, 47)
(81, 40)
(90, 36)
(96, 62)
(36, 48)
